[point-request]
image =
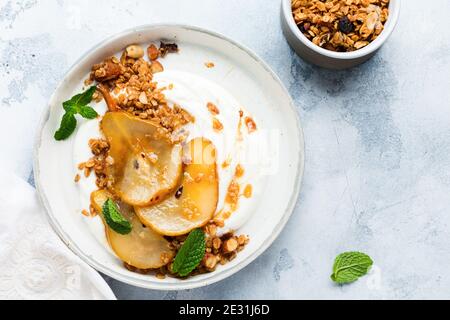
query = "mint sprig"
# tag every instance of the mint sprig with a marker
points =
(114, 218)
(191, 253)
(78, 104)
(350, 266)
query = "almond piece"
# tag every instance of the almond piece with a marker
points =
(157, 67)
(230, 245)
(242, 240)
(134, 51)
(210, 261)
(217, 243)
(143, 98)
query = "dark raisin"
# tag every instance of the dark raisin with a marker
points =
(166, 48)
(345, 25)
(179, 193)
(136, 164)
(304, 27)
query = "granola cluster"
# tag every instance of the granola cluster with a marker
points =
(219, 251)
(98, 163)
(127, 84)
(341, 25)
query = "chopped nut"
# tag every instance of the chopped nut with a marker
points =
(77, 178)
(157, 67)
(217, 243)
(211, 230)
(230, 245)
(209, 65)
(219, 222)
(90, 164)
(242, 240)
(135, 51)
(153, 157)
(143, 98)
(160, 276)
(210, 261)
(143, 115)
(361, 44)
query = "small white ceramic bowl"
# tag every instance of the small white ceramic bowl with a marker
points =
(330, 59)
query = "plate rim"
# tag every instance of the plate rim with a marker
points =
(295, 194)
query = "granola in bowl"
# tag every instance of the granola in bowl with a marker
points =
(341, 25)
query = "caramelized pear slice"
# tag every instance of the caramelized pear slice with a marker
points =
(142, 247)
(147, 165)
(195, 202)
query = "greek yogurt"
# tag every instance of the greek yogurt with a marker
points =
(192, 93)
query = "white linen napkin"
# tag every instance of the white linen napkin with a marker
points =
(34, 262)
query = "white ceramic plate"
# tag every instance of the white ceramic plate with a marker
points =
(240, 72)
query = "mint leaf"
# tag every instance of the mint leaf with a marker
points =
(88, 112)
(76, 105)
(67, 127)
(191, 253)
(68, 106)
(84, 98)
(114, 218)
(349, 266)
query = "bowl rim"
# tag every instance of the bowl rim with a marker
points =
(163, 286)
(367, 50)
